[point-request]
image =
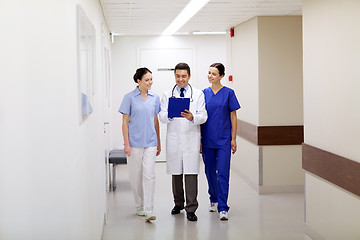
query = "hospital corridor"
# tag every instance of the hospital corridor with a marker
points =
(270, 217)
(268, 90)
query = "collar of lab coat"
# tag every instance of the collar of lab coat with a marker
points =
(186, 88)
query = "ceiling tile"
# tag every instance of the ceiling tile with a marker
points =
(143, 17)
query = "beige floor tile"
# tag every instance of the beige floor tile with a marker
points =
(251, 216)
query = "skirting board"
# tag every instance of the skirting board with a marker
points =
(311, 233)
(250, 182)
(281, 189)
(104, 224)
(268, 189)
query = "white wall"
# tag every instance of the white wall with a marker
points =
(52, 174)
(281, 99)
(331, 76)
(331, 109)
(244, 60)
(280, 71)
(208, 49)
(266, 60)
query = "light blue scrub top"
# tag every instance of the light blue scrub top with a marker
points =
(216, 131)
(141, 122)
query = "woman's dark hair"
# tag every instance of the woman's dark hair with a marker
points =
(182, 66)
(219, 67)
(140, 72)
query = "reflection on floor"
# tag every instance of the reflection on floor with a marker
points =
(251, 216)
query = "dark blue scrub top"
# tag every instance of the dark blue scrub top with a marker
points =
(216, 131)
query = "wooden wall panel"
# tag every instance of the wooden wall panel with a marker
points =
(338, 170)
(280, 135)
(247, 131)
(271, 135)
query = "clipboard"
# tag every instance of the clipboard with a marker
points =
(177, 105)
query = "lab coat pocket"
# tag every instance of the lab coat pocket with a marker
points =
(172, 143)
(195, 141)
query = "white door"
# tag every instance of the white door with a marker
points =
(162, 63)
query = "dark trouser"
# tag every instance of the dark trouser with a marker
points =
(191, 189)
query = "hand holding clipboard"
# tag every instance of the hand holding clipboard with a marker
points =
(179, 107)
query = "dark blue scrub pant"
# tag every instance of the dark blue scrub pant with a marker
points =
(217, 170)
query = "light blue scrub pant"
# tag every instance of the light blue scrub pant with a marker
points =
(217, 170)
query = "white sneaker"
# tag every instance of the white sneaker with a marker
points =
(213, 207)
(150, 216)
(140, 212)
(223, 215)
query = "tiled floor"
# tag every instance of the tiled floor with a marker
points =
(251, 216)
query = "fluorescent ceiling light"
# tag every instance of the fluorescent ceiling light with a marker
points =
(182, 33)
(188, 12)
(209, 33)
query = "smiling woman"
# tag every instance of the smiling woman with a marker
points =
(142, 140)
(219, 138)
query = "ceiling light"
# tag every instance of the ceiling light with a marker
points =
(188, 12)
(209, 33)
(182, 33)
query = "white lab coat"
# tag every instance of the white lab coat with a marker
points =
(183, 136)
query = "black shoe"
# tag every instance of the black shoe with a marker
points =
(176, 209)
(191, 216)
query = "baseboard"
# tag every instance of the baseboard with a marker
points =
(250, 182)
(269, 189)
(281, 189)
(311, 233)
(103, 229)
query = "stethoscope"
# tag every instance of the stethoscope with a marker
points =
(172, 92)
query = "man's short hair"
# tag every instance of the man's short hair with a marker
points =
(182, 66)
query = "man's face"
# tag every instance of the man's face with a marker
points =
(182, 78)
